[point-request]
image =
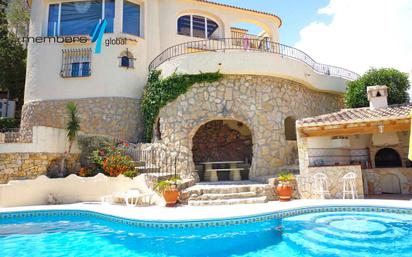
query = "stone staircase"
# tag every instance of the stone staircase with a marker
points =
(203, 194)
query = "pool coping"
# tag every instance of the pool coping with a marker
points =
(143, 216)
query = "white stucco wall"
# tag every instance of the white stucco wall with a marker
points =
(68, 190)
(158, 32)
(45, 140)
(256, 63)
(43, 81)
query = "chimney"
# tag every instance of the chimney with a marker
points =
(377, 96)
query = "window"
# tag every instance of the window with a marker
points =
(131, 18)
(211, 28)
(183, 25)
(53, 20)
(126, 59)
(125, 62)
(79, 18)
(197, 26)
(76, 63)
(290, 129)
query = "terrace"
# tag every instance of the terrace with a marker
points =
(251, 43)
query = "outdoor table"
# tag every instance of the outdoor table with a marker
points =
(211, 173)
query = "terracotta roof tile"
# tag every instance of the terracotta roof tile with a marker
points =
(357, 115)
(242, 8)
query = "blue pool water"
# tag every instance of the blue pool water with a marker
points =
(315, 234)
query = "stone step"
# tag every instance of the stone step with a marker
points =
(227, 189)
(223, 196)
(250, 200)
(145, 169)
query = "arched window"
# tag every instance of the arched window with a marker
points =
(290, 129)
(126, 59)
(197, 26)
(124, 62)
(387, 158)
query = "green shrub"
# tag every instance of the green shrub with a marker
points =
(397, 82)
(158, 92)
(89, 143)
(286, 176)
(6, 123)
(131, 173)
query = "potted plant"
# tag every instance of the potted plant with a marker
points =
(284, 188)
(168, 188)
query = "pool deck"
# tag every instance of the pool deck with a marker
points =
(207, 212)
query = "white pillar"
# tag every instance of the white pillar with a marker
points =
(151, 29)
(38, 18)
(118, 16)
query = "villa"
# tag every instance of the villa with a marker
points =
(266, 87)
(183, 103)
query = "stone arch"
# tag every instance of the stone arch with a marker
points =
(260, 102)
(391, 184)
(222, 140)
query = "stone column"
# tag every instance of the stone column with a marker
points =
(302, 152)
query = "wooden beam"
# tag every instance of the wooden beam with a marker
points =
(370, 129)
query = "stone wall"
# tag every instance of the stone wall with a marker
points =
(262, 103)
(335, 182)
(17, 166)
(397, 178)
(216, 141)
(114, 116)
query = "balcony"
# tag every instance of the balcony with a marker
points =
(256, 55)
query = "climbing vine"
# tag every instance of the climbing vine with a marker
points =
(160, 91)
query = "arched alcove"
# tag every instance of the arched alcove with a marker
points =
(290, 129)
(223, 141)
(387, 158)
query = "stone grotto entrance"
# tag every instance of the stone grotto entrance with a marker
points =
(226, 147)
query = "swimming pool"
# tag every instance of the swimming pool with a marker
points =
(322, 231)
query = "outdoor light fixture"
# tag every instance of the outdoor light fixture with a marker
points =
(381, 127)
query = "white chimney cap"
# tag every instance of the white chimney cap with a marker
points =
(377, 96)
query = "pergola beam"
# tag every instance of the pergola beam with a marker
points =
(360, 128)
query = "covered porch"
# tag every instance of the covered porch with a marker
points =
(371, 142)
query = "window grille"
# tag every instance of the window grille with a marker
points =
(127, 59)
(76, 62)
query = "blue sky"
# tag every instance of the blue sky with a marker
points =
(295, 14)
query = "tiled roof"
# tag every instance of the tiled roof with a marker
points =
(244, 9)
(357, 115)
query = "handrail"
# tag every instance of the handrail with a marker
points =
(247, 44)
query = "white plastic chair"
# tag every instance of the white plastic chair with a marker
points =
(320, 185)
(131, 197)
(349, 185)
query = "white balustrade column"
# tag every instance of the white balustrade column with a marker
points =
(118, 16)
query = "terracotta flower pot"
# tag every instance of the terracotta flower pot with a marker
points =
(170, 196)
(284, 192)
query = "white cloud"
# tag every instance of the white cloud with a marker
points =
(362, 34)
